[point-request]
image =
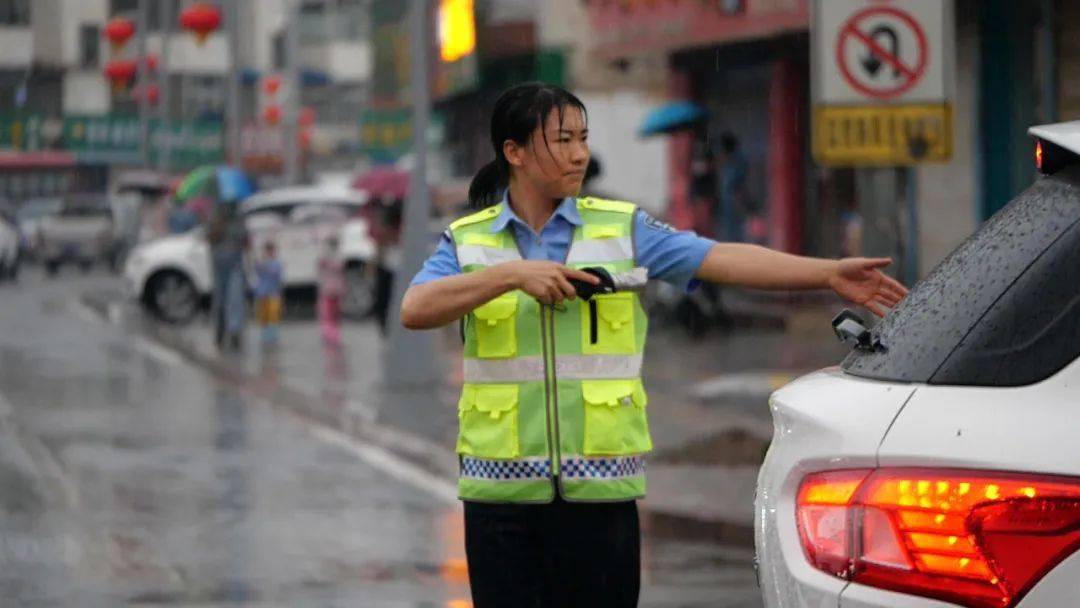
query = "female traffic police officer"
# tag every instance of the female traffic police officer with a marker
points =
(553, 422)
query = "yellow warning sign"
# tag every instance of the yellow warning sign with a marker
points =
(859, 136)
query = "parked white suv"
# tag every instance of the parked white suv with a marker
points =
(171, 276)
(10, 247)
(939, 465)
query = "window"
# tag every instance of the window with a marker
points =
(279, 50)
(1002, 310)
(130, 9)
(14, 12)
(89, 46)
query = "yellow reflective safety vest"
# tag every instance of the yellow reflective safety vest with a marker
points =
(550, 399)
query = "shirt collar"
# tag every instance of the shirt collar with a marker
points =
(567, 209)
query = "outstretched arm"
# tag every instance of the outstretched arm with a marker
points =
(858, 280)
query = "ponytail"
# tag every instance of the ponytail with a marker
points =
(486, 188)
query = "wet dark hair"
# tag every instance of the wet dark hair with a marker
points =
(518, 112)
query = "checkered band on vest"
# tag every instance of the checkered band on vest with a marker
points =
(506, 470)
(608, 467)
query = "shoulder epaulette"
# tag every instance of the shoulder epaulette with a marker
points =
(600, 204)
(475, 218)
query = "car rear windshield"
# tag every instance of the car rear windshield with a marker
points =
(1002, 310)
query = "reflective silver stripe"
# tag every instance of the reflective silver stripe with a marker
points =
(519, 369)
(567, 367)
(597, 367)
(601, 250)
(485, 256)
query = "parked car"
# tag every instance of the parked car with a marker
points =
(172, 276)
(939, 464)
(29, 215)
(11, 245)
(81, 233)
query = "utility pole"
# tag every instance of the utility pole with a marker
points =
(410, 358)
(292, 98)
(142, 77)
(232, 112)
(168, 17)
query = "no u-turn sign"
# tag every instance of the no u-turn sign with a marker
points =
(880, 63)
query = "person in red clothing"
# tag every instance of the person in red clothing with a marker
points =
(331, 289)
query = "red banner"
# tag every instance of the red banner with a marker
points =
(623, 28)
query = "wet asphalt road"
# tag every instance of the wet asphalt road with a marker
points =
(131, 478)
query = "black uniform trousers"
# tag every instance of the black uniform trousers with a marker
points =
(557, 555)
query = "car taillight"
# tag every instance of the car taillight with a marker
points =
(975, 538)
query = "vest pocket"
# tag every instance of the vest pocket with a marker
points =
(615, 419)
(611, 329)
(496, 333)
(488, 417)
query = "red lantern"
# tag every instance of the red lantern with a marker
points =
(201, 19)
(307, 116)
(271, 84)
(151, 63)
(120, 72)
(272, 114)
(153, 94)
(119, 30)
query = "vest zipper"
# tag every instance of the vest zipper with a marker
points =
(555, 402)
(552, 428)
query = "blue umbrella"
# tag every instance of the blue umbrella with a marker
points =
(233, 185)
(672, 117)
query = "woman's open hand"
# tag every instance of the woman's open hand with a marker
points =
(859, 280)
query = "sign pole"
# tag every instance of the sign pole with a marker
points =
(142, 77)
(410, 354)
(911, 250)
(291, 149)
(164, 128)
(232, 145)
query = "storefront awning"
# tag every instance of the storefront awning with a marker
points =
(672, 117)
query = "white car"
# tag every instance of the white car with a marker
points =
(939, 465)
(80, 233)
(10, 248)
(172, 275)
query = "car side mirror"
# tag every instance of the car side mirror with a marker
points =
(851, 330)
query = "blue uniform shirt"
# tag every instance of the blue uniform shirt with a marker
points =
(670, 255)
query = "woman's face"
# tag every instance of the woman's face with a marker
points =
(555, 158)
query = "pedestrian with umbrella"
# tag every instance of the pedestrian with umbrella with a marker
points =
(228, 239)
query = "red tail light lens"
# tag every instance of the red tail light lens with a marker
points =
(974, 538)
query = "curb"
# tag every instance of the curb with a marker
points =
(357, 423)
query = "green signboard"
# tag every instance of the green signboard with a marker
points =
(114, 139)
(23, 133)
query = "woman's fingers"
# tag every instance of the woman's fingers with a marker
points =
(876, 308)
(567, 289)
(890, 299)
(895, 285)
(580, 275)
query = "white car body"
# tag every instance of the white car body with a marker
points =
(846, 419)
(298, 220)
(9, 248)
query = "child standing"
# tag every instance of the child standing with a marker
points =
(331, 290)
(268, 273)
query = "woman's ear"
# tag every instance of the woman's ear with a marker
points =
(514, 153)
